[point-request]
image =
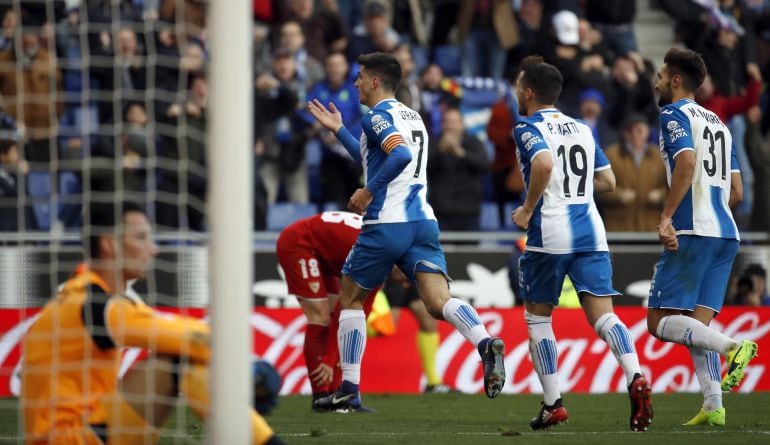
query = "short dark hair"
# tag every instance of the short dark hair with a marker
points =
(688, 64)
(103, 218)
(383, 65)
(542, 78)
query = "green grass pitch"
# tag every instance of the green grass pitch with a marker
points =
(474, 419)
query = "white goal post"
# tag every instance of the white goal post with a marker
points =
(230, 219)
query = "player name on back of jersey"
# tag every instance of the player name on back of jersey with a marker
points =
(409, 115)
(566, 128)
(705, 114)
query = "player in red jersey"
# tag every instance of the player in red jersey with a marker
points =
(311, 252)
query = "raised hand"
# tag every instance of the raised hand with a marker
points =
(330, 118)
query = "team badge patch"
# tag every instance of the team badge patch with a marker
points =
(314, 286)
(675, 131)
(379, 124)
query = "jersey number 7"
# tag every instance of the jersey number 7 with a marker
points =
(418, 138)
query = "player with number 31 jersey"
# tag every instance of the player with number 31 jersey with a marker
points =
(685, 125)
(566, 220)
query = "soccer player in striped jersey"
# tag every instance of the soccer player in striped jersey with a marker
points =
(399, 227)
(563, 166)
(698, 233)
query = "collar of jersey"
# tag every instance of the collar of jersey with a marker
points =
(547, 110)
(83, 272)
(377, 105)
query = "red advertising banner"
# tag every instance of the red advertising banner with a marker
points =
(391, 364)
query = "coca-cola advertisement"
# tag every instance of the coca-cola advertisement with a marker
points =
(391, 363)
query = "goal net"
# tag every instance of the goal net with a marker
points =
(107, 101)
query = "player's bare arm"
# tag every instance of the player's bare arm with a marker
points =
(604, 181)
(681, 181)
(542, 165)
(330, 118)
(736, 189)
(360, 201)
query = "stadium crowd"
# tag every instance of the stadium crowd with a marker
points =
(101, 96)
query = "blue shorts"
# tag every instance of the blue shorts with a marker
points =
(541, 275)
(412, 246)
(695, 275)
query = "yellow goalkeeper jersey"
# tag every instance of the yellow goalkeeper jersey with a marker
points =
(71, 355)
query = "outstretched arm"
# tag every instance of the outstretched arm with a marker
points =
(331, 119)
(138, 325)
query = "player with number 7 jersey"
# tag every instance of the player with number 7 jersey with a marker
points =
(399, 228)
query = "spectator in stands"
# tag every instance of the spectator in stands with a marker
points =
(434, 97)
(10, 21)
(283, 162)
(33, 97)
(752, 287)
(340, 175)
(173, 68)
(12, 169)
(728, 106)
(323, 28)
(272, 101)
(408, 93)
(375, 34)
(759, 155)
(530, 18)
(615, 20)
(80, 119)
(182, 177)
(487, 29)
(507, 180)
(636, 202)
(630, 91)
(592, 105)
(457, 163)
(263, 54)
(579, 69)
(130, 64)
(309, 70)
(136, 144)
(348, 10)
(591, 41)
(445, 13)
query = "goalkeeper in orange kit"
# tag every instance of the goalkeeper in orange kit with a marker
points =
(71, 354)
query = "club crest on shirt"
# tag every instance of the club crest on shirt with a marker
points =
(675, 131)
(379, 124)
(314, 286)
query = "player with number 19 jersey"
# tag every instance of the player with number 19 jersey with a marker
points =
(386, 126)
(566, 219)
(704, 211)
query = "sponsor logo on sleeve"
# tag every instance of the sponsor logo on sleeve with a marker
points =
(530, 140)
(379, 124)
(675, 131)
